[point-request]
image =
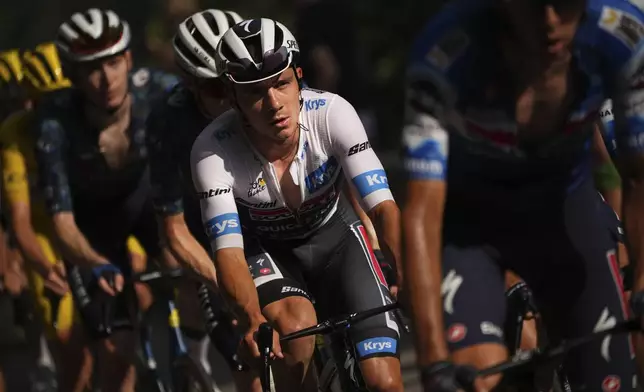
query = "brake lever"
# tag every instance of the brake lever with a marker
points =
(265, 344)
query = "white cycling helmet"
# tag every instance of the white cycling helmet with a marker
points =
(256, 50)
(195, 43)
(92, 35)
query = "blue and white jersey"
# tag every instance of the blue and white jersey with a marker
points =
(239, 189)
(458, 113)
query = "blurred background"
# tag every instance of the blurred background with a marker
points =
(356, 48)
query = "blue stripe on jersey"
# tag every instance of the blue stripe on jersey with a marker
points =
(371, 181)
(426, 161)
(222, 225)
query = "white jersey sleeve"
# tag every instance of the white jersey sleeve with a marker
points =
(351, 146)
(214, 186)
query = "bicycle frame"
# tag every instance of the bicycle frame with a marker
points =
(329, 327)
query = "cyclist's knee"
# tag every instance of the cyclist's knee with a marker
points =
(382, 374)
(290, 315)
(482, 356)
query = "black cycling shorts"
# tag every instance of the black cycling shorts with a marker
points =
(564, 247)
(338, 269)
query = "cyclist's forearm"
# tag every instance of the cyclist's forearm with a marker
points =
(30, 247)
(364, 218)
(423, 277)
(386, 219)
(187, 250)
(74, 244)
(236, 282)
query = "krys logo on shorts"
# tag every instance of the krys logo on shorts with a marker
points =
(376, 346)
(256, 187)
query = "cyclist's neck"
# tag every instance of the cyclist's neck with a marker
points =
(273, 150)
(101, 118)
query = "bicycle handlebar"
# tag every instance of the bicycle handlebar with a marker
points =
(147, 277)
(110, 325)
(264, 335)
(531, 359)
(331, 325)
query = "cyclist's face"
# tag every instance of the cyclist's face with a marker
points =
(105, 82)
(272, 107)
(544, 27)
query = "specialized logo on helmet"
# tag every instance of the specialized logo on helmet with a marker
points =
(248, 28)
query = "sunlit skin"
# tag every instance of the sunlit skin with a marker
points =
(272, 107)
(536, 45)
(105, 82)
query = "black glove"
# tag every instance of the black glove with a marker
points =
(637, 303)
(386, 268)
(444, 376)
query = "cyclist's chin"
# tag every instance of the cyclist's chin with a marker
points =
(110, 103)
(283, 133)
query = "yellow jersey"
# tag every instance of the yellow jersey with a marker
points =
(19, 183)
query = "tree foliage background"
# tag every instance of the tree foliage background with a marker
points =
(383, 30)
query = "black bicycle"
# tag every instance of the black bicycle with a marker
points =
(339, 351)
(185, 375)
(527, 363)
(521, 307)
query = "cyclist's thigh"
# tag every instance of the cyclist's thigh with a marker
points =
(473, 292)
(582, 293)
(273, 272)
(353, 282)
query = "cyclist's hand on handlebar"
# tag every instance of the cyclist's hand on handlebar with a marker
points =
(389, 273)
(445, 376)
(55, 280)
(250, 339)
(109, 278)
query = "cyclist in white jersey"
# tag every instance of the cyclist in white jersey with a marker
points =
(269, 174)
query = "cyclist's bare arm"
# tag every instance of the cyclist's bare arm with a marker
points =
(73, 243)
(222, 224)
(364, 218)
(422, 225)
(386, 220)
(186, 249)
(27, 240)
(606, 176)
(425, 143)
(237, 283)
(629, 124)
(15, 183)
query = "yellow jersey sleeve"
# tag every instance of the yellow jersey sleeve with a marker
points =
(134, 246)
(15, 181)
